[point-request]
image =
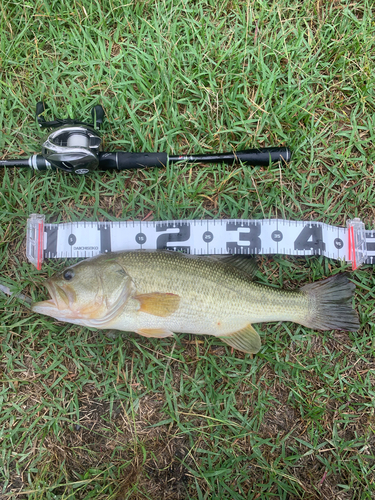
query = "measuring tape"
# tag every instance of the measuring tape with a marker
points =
(200, 237)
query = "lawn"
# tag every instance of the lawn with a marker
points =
(87, 414)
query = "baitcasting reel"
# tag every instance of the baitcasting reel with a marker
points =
(74, 147)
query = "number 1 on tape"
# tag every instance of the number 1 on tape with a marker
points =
(200, 237)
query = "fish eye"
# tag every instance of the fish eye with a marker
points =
(68, 274)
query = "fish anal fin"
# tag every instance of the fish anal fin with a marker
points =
(158, 304)
(159, 333)
(245, 340)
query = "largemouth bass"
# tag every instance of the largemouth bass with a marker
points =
(158, 293)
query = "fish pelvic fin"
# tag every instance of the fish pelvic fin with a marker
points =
(158, 304)
(245, 340)
(330, 302)
(159, 333)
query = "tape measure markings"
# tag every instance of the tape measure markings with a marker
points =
(208, 236)
(82, 239)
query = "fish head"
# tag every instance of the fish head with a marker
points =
(91, 292)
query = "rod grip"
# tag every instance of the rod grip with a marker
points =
(263, 156)
(124, 160)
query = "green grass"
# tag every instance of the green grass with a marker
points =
(84, 415)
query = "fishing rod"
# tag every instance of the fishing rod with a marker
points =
(74, 147)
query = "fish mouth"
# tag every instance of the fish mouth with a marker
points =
(61, 300)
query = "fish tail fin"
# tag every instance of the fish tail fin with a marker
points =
(331, 304)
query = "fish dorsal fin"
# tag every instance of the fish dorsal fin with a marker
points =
(245, 340)
(159, 304)
(247, 265)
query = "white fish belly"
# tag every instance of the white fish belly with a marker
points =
(201, 321)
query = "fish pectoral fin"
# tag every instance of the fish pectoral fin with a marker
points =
(159, 333)
(159, 304)
(245, 340)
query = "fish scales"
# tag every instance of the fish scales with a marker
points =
(211, 288)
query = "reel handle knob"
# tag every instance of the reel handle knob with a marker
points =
(97, 114)
(40, 109)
